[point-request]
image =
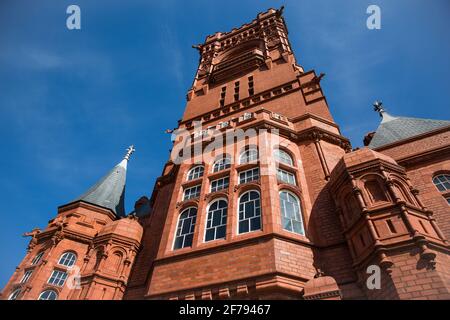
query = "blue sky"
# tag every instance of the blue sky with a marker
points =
(72, 101)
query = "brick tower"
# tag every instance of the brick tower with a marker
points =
(247, 219)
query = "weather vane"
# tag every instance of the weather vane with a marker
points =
(378, 106)
(130, 150)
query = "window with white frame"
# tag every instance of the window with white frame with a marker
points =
(216, 223)
(200, 133)
(291, 216)
(224, 124)
(249, 155)
(57, 278)
(37, 258)
(192, 192)
(283, 157)
(249, 175)
(185, 228)
(195, 173)
(286, 176)
(442, 182)
(67, 259)
(249, 212)
(14, 295)
(220, 184)
(247, 115)
(26, 276)
(222, 164)
(48, 295)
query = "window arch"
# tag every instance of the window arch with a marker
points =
(216, 222)
(283, 157)
(291, 213)
(249, 211)
(37, 258)
(185, 228)
(250, 154)
(222, 164)
(67, 259)
(48, 295)
(442, 182)
(196, 172)
(14, 295)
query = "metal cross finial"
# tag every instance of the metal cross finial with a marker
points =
(378, 106)
(130, 150)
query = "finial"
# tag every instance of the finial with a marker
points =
(378, 106)
(130, 150)
(280, 11)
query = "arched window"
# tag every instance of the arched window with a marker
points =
(442, 182)
(249, 212)
(26, 276)
(185, 228)
(283, 157)
(375, 191)
(248, 155)
(48, 295)
(291, 215)
(67, 259)
(14, 295)
(196, 172)
(222, 164)
(216, 223)
(37, 258)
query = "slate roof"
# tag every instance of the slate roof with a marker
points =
(109, 191)
(393, 129)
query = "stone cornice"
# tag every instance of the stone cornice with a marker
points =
(118, 239)
(89, 206)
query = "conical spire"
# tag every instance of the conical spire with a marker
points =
(109, 191)
(393, 129)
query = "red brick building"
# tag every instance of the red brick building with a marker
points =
(273, 203)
